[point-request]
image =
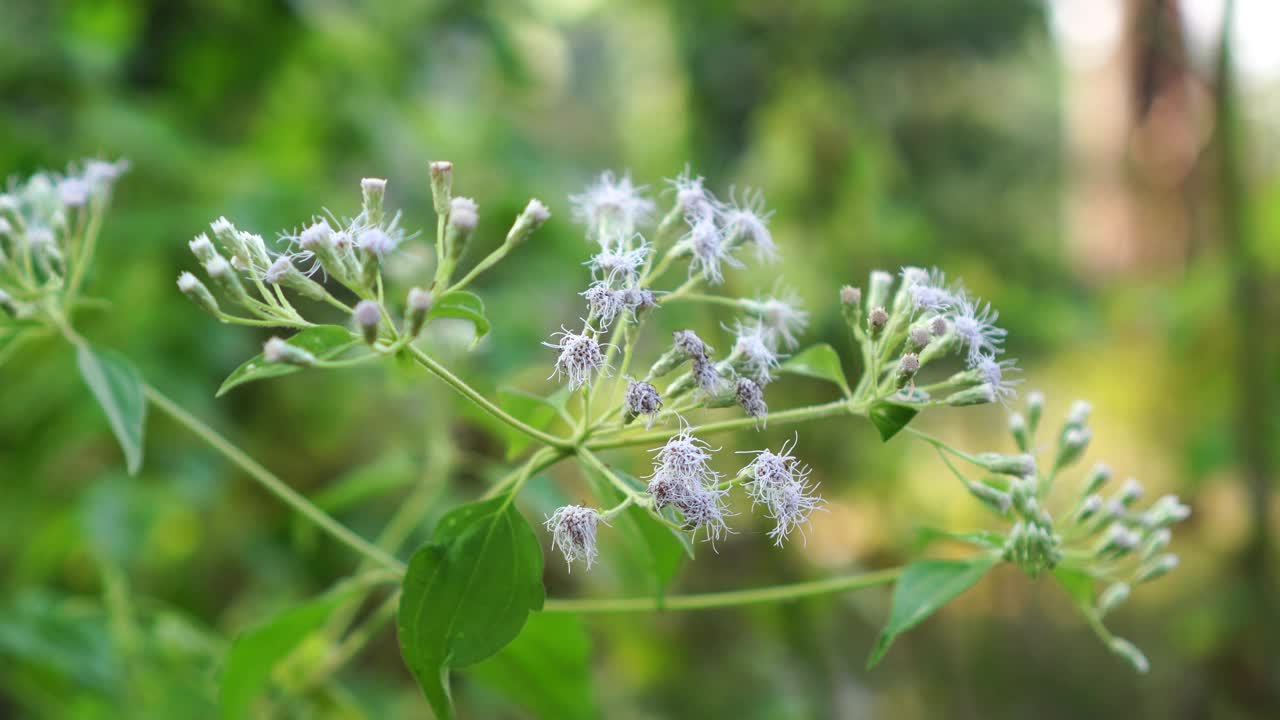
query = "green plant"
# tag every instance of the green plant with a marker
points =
(471, 590)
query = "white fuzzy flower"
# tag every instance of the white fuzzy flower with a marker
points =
(994, 372)
(707, 377)
(580, 356)
(642, 398)
(748, 220)
(755, 344)
(780, 482)
(781, 316)
(928, 290)
(573, 533)
(710, 248)
(974, 324)
(377, 241)
(611, 206)
(684, 458)
(619, 265)
(692, 197)
(603, 302)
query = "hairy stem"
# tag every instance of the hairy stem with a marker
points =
(810, 412)
(732, 598)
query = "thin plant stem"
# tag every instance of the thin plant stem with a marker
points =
(472, 394)
(731, 598)
(273, 484)
(811, 412)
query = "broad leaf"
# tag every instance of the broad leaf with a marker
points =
(533, 410)
(817, 361)
(547, 669)
(889, 418)
(118, 388)
(464, 305)
(325, 342)
(255, 653)
(652, 547)
(925, 586)
(467, 593)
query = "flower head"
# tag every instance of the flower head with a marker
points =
(603, 302)
(684, 458)
(642, 398)
(619, 264)
(780, 482)
(376, 241)
(928, 290)
(692, 197)
(573, 533)
(747, 219)
(994, 372)
(710, 248)
(611, 206)
(580, 356)
(974, 324)
(687, 343)
(781, 315)
(755, 344)
(750, 397)
(707, 377)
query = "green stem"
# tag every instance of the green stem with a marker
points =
(811, 412)
(273, 484)
(471, 394)
(732, 598)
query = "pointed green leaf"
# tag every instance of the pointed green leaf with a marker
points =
(1078, 584)
(325, 342)
(889, 418)
(464, 305)
(118, 388)
(547, 669)
(467, 593)
(256, 652)
(817, 361)
(536, 411)
(924, 587)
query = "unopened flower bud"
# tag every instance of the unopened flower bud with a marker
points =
(1098, 477)
(202, 248)
(876, 320)
(256, 249)
(282, 272)
(1078, 415)
(1159, 567)
(996, 499)
(918, 337)
(1018, 429)
(1089, 507)
(227, 234)
(277, 350)
(1166, 511)
(908, 366)
(1156, 542)
(878, 288)
(441, 186)
(1112, 597)
(751, 398)
(191, 286)
(1130, 493)
(1016, 465)
(850, 295)
(418, 305)
(1035, 409)
(938, 326)
(1130, 653)
(977, 395)
(367, 314)
(642, 398)
(222, 274)
(1072, 446)
(532, 218)
(688, 344)
(373, 192)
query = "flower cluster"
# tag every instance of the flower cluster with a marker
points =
(48, 228)
(780, 482)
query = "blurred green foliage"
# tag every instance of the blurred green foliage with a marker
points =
(925, 132)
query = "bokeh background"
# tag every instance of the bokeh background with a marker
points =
(1105, 171)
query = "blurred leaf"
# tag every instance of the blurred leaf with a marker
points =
(118, 388)
(652, 547)
(1078, 584)
(390, 472)
(255, 652)
(924, 587)
(464, 305)
(467, 593)
(926, 536)
(47, 631)
(534, 410)
(889, 418)
(547, 669)
(325, 342)
(817, 361)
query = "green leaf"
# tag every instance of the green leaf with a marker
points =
(889, 418)
(536, 411)
(547, 669)
(255, 652)
(924, 587)
(118, 388)
(651, 546)
(817, 361)
(324, 341)
(1079, 586)
(467, 593)
(464, 305)
(391, 472)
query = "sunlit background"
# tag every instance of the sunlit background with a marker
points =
(1104, 171)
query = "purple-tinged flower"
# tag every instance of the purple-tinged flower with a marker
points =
(710, 248)
(619, 265)
(642, 398)
(751, 398)
(780, 482)
(974, 324)
(995, 373)
(611, 206)
(580, 356)
(692, 197)
(748, 220)
(573, 533)
(781, 315)
(755, 344)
